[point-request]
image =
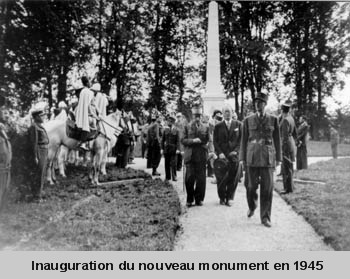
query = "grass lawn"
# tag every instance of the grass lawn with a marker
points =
(323, 148)
(325, 207)
(75, 215)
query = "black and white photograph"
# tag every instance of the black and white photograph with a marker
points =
(129, 125)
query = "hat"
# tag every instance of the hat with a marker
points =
(261, 96)
(39, 111)
(197, 110)
(62, 104)
(96, 87)
(171, 116)
(287, 103)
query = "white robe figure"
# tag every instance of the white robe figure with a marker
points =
(82, 110)
(101, 103)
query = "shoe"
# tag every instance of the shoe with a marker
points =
(200, 203)
(250, 213)
(285, 192)
(174, 179)
(156, 173)
(280, 174)
(188, 204)
(222, 202)
(228, 203)
(267, 223)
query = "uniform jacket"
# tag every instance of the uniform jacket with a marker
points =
(334, 136)
(170, 140)
(288, 134)
(302, 134)
(37, 137)
(154, 134)
(227, 140)
(260, 144)
(195, 152)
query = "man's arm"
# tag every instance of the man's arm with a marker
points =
(244, 140)
(216, 140)
(277, 141)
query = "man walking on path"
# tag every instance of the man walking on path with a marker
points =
(334, 142)
(153, 142)
(227, 140)
(180, 125)
(302, 133)
(170, 148)
(260, 150)
(195, 141)
(288, 134)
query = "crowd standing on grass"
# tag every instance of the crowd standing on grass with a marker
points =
(218, 146)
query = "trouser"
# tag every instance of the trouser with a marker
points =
(301, 157)
(123, 152)
(288, 183)
(227, 184)
(179, 161)
(195, 181)
(334, 150)
(143, 149)
(264, 176)
(153, 156)
(39, 171)
(170, 166)
(131, 154)
(210, 169)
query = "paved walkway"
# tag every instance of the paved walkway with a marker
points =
(213, 227)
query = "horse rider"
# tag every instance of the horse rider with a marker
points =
(85, 112)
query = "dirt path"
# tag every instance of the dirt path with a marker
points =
(214, 227)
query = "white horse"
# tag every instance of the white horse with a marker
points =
(103, 144)
(56, 131)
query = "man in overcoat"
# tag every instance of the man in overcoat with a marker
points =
(260, 151)
(154, 134)
(5, 156)
(195, 141)
(288, 136)
(302, 133)
(170, 148)
(39, 142)
(227, 141)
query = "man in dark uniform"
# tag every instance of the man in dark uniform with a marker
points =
(5, 156)
(153, 142)
(125, 140)
(302, 133)
(260, 150)
(227, 140)
(195, 141)
(334, 135)
(170, 148)
(39, 142)
(180, 125)
(288, 136)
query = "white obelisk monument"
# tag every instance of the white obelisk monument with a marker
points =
(214, 97)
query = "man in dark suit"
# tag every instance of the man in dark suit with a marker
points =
(288, 136)
(170, 148)
(227, 140)
(260, 150)
(302, 133)
(195, 141)
(153, 144)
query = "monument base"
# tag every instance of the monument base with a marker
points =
(211, 103)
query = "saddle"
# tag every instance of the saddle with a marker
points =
(78, 134)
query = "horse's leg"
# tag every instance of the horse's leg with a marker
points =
(50, 169)
(104, 158)
(61, 160)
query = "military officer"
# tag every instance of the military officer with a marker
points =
(170, 148)
(288, 136)
(259, 152)
(195, 141)
(39, 142)
(154, 135)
